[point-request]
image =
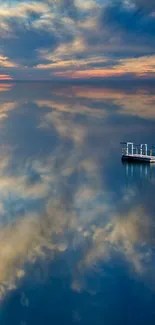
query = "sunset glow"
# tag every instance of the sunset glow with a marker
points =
(76, 39)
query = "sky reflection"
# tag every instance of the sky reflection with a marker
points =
(69, 209)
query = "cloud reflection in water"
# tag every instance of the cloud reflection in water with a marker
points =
(63, 198)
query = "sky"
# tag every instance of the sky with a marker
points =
(77, 39)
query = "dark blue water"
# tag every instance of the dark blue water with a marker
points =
(77, 226)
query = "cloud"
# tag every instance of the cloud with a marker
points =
(96, 101)
(73, 108)
(5, 109)
(64, 66)
(145, 5)
(87, 5)
(22, 9)
(135, 67)
(24, 35)
(140, 103)
(36, 232)
(23, 47)
(63, 38)
(40, 233)
(128, 23)
(113, 35)
(6, 63)
(5, 86)
(66, 50)
(66, 127)
(5, 77)
(121, 234)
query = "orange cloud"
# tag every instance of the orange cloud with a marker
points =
(5, 87)
(140, 67)
(69, 63)
(6, 63)
(140, 103)
(5, 77)
(84, 74)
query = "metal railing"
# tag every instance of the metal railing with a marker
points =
(130, 148)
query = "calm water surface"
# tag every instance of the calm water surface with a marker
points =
(77, 227)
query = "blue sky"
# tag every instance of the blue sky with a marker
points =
(76, 39)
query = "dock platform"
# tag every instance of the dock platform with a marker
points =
(138, 157)
(138, 152)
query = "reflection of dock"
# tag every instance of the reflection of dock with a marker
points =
(136, 171)
(138, 153)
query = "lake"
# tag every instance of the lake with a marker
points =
(77, 226)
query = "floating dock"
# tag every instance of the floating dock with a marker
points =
(150, 159)
(138, 152)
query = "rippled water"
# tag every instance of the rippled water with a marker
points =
(77, 227)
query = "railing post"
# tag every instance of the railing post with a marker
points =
(132, 149)
(127, 148)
